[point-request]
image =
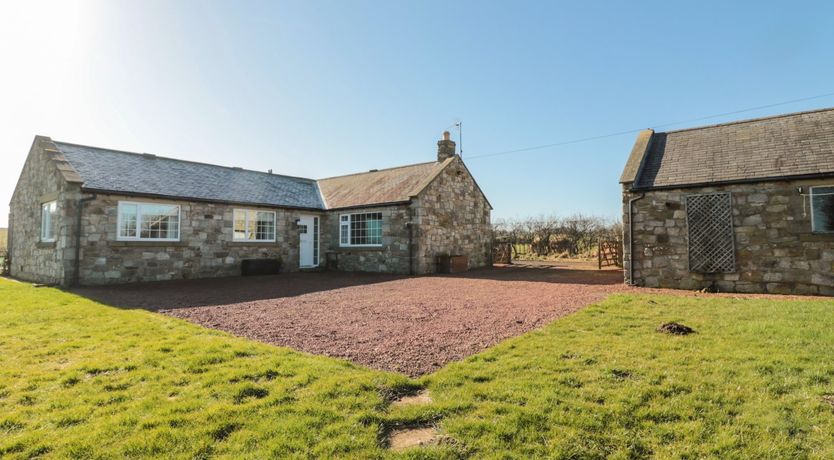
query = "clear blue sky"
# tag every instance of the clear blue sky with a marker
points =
(316, 89)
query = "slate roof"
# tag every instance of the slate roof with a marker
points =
(381, 186)
(134, 173)
(105, 170)
(798, 144)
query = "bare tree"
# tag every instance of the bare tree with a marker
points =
(576, 235)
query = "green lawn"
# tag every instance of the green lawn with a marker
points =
(79, 379)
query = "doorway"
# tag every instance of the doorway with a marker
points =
(308, 236)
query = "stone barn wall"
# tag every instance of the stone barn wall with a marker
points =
(775, 249)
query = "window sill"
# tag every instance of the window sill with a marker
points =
(816, 237)
(45, 244)
(147, 243)
(358, 248)
(252, 243)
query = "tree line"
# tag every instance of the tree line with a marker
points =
(577, 235)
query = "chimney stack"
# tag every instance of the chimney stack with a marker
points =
(445, 147)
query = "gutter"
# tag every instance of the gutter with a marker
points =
(370, 205)
(757, 180)
(199, 200)
(76, 275)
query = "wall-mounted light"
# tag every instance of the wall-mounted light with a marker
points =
(799, 190)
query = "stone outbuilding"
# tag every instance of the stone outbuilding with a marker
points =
(746, 206)
(87, 215)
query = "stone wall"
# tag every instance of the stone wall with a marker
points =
(42, 180)
(452, 218)
(206, 248)
(776, 251)
(392, 256)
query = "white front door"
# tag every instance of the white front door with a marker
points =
(308, 236)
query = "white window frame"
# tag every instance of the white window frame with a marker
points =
(51, 237)
(138, 236)
(813, 223)
(246, 224)
(317, 240)
(343, 223)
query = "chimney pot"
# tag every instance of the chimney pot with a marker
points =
(447, 135)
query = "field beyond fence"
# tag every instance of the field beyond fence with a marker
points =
(552, 237)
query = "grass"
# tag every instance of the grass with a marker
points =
(602, 383)
(80, 379)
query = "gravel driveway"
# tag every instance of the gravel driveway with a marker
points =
(412, 325)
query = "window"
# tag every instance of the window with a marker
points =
(709, 219)
(149, 221)
(822, 209)
(360, 229)
(49, 217)
(252, 225)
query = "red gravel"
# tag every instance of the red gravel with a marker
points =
(412, 325)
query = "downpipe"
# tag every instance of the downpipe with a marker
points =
(410, 226)
(76, 275)
(631, 202)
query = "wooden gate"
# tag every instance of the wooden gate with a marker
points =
(502, 252)
(610, 253)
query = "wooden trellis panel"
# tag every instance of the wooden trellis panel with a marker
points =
(709, 219)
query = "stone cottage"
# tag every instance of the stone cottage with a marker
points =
(87, 215)
(746, 206)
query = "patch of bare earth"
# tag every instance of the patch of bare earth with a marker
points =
(422, 397)
(412, 325)
(413, 437)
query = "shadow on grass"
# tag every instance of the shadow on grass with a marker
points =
(163, 295)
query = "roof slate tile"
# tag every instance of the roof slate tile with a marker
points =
(133, 173)
(786, 145)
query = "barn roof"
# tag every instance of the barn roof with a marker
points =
(785, 146)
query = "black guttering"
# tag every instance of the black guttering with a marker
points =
(756, 180)
(201, 200)
(370, 205)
